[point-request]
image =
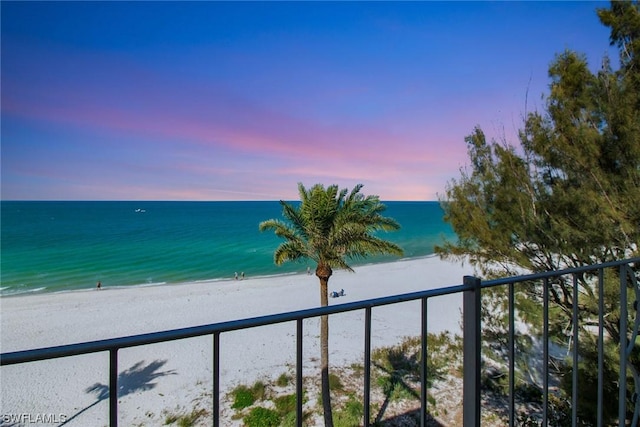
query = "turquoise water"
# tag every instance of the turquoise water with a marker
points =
(60, 246)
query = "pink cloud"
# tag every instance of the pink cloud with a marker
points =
(200, 131)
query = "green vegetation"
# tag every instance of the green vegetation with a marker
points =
(566, 196)
(243, 396)
(398, 368)
(262, 417)
(285, 404)
(352, 413)
(252, 403)
(186, 420)
(283, 380)
(395, 373)
(335, 383)
(330, 227)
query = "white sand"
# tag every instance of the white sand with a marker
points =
(173, 376)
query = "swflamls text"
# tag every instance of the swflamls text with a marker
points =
(27, 418)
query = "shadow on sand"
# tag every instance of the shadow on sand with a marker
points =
(135, 379)
(409, 419)
(400, 370)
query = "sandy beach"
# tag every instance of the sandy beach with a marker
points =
(167, 377)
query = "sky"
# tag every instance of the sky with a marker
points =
(243, 100)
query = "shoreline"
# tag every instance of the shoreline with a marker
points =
(44, 291)
(174, 374)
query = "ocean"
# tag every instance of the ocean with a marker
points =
(49, 246)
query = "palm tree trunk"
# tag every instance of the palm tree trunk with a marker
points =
(324, 274)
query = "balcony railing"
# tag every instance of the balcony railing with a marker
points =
(471, 289)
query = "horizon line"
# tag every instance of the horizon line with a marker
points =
(186, 201)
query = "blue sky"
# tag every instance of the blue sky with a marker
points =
(243, 100)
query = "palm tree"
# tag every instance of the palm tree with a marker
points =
(329, 227)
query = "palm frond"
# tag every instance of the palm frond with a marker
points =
(289, 251)
(294, 216)
(331, 226)
(281, 229)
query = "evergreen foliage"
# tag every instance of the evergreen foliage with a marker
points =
(568, 195)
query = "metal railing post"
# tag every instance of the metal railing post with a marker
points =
(216, 379)
(471, 352)
(576, 356)
(600, 346)
(622, 384)
(424, 372)
(299, 362)
(512, 356)
(545, 353)
(367, 367)
(113, 387)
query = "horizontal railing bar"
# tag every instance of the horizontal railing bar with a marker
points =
(54, 352)
(557, 273)
(196, 331)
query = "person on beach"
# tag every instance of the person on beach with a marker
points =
(335, 294)
(242, 276)
(99, 285)
(235, 275)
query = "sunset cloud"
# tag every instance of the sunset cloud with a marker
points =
(220, 105)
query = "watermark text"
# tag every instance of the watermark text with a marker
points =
(28, 418)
